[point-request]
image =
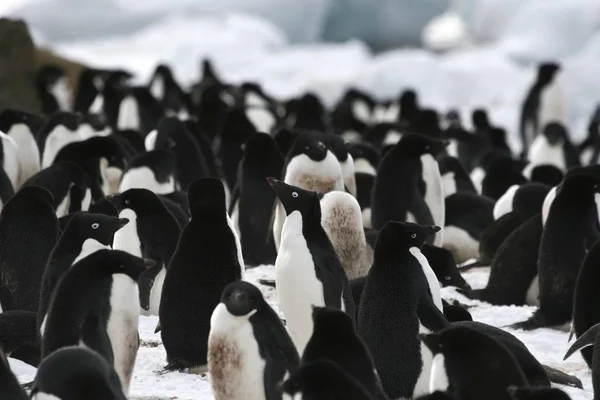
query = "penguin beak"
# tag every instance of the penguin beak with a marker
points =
(435, 229)
(149, 263)
(123, 222)
(115, 201)
(273, 182)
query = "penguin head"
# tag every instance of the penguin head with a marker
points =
(547, 71)
(262, 149)
(428, 123)
(33, 193)
(9, 117)
(409, 105)
(206, 197)
(310, 145)
(416, 145)
(555, 133)
(295, 199)
(104, 147)
(581, 180)
(121, 262)
(168, 129)
(307, 112)
(96, 226)
(480, 120)
(402, 235)
(136, 199)
(337, 146)
(547, 173)
(332, 321)
(242, 299)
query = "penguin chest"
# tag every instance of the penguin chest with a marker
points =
(298, 288)
(156, 291)
(236, 368)
(422, 385)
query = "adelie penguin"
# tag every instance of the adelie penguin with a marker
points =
(28, 232)
(153, 170)
(252, 201)
(59, 130)
(249, 350)
(309, 165)
(208, 257)
(366, 159)
(552, 147)
(527, 198)
(542, 104)
(307, 270)
(408, 185)
(454, 177)
(352, 114)
(84, 234)
(53, 89)
(103, 284)
(152, 232)
(396, 305)
(472, 364)
(571, 223)
(22, 127)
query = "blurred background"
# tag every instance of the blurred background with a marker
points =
(456, 53)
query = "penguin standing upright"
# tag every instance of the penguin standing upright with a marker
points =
(249, 350)
(397, 305)
(542, 104)
(252, 209)
(59, 130)
(84, 234)
(307, 271)
(405, 181)
(104, 285)
(53, 89)
(207, 258)
(552, 147)
(153, 170)
(571, 224)
(151, 233)
(28, 232)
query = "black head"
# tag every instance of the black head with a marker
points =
(366, 151)
(445, 268)
(428, 123)
(103, 206)
(409, 105)
(415, 145)
(555, 132)
(101, 147)
(262, 148)
(452, 117)
(539, 393)
(206, 196)
(49, 74)
(547, 71)
(548, 174)
(237, 126)
(121, 262)
(208, 71)
(168, 128)
(295, 199)
(480, 119)
(332, 321)
(32, 193)
(95, 226)
(310, 145)
(9, 117)
(242, 298)
(403, 235)
(134, 199)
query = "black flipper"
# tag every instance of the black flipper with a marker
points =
(537, 320)
(471, 265)
(585, 340)
(146, 281)
(267, 282)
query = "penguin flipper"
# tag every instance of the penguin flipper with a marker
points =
(562, 378)
(456, 313)
(146, 281)
(471, 265)
(585, 340)
(471, 294)
(158, 327)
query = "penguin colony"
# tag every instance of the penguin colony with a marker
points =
(126, 200)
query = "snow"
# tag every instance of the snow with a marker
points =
(547, 345)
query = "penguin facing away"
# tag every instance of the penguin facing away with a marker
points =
(190, 294)
(18, 336)
(249, 350)
(28, 232)
(151, 233)
(307, 270)
(397, 305)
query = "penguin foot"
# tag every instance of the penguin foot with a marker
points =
(537, 320)
(561, 378)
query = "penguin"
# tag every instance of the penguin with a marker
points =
(59, 130)
(69, 184)
(180, 211)
(153, 170)
(454, 177)
(589, 149)
(501, 173)
(53, 89)
(152, 233)
(309, 165)
(513, 272)
(252, 209)
(307, 270)
(95, 156)
(366, 159)
(527, 198)
(352, 114)
(22, 127)
(339, 149)
(572, 221)
(586, 310)
(249, 350)
(482, 369)
(547, 174)
(396, 305)
(190, 294)
(105, 284)
(414, 194)
(92, 125)
(73, 373)
(341, 219)
(323, 380)
(409, 106)
(529, 393)
(205, 145)
(334, 338)
(164, 88)
(9, 385)
(552, 147)
(542, 104)
(28, 232)
(467, 216)
(428, 123)
(18, 336)
(190, 165)
(10, 163)
(307, 113)
(383, 136)
(85, 233)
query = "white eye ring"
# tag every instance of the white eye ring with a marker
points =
(294, 194)
(447, 278)
(414, 235)
(95, 225)
(126, 201)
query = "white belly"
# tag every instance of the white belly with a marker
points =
(29, 155)
(155, 293)
(504, 204)
(422, 386)
(462, 246)
(533, 293)
(434, 196)
(143, 178)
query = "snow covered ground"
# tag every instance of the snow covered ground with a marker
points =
(547, 345)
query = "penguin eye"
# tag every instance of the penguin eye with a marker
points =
(414, 235)
(95, 225)
(447, 278)
(127, 201)
(427, 147)
(294, 194)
